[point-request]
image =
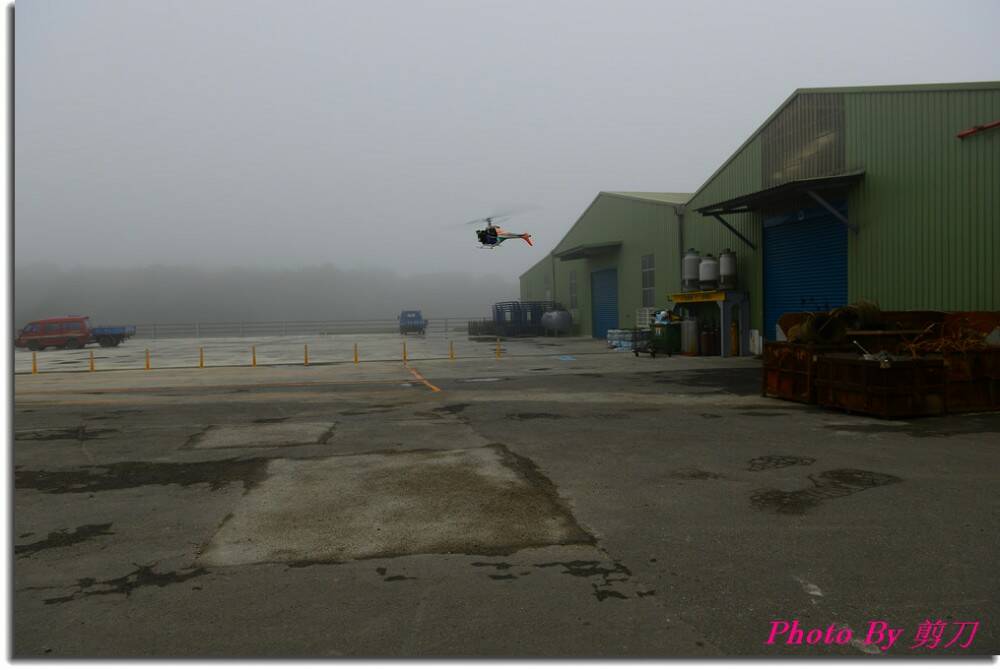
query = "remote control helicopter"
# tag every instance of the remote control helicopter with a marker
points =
(492, 236)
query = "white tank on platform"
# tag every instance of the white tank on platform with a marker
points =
(708, 273)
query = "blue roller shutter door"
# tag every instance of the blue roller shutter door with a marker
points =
(604, 302)
(805, 264)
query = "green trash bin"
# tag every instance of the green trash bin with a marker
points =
(666, 339)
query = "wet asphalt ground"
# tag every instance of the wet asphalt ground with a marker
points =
(595, 505)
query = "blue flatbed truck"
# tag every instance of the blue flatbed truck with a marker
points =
(412, 321)
(112, 336)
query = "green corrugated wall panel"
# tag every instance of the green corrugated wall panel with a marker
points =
(928, 205)
(643, 227)
(742, 175)
(533, 280)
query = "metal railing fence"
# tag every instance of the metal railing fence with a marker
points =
(435, 327)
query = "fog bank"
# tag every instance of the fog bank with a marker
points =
(165, 294)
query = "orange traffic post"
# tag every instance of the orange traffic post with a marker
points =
(355, 353)
(451, 350)
(91, 361)
(253, 355)
(147, 359)
(34, 363)
(498, 347)
(306, 355)
(201, 357)
(404, 352)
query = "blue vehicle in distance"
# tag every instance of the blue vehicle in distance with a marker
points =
(412, 321)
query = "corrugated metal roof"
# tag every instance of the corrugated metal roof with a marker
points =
(587, 250)
(898, 88)
(544, 259)
(903, 88)
(666, 198)
(660, 198)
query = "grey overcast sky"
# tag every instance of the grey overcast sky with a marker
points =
(283, 134)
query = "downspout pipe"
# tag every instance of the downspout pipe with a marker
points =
(679, 210)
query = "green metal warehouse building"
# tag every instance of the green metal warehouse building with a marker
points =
(842, 194)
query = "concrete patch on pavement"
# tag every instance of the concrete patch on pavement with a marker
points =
(271, 434)
(483, 501)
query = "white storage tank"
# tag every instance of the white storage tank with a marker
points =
(689, 270)
(559, 321)
(708, 273)
(727, 269)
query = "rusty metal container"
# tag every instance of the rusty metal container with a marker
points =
(899, 389)
(789, 370)
(973, 380)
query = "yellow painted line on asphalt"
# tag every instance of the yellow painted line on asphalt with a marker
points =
(423, 380)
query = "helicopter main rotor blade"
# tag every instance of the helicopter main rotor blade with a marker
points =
(508, 212)
(494, 219)
(501, 215)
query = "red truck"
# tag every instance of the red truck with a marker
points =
(70, 332)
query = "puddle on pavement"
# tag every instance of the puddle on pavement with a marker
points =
(826, 486)
(457, 408)
(740, 381)
(694, 474)
(114, 476)
(529, 416)
(143, 576)
(951, 426)
(608, 578)
(112, 414)
(306, 564)
(777, 461)
(63, 538)
(81, 433)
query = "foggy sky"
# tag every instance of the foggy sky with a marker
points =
(279, 135)
(185, 294)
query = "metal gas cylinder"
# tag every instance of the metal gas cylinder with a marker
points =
(689, 336)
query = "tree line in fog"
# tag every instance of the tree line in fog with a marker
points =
(162, 294)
